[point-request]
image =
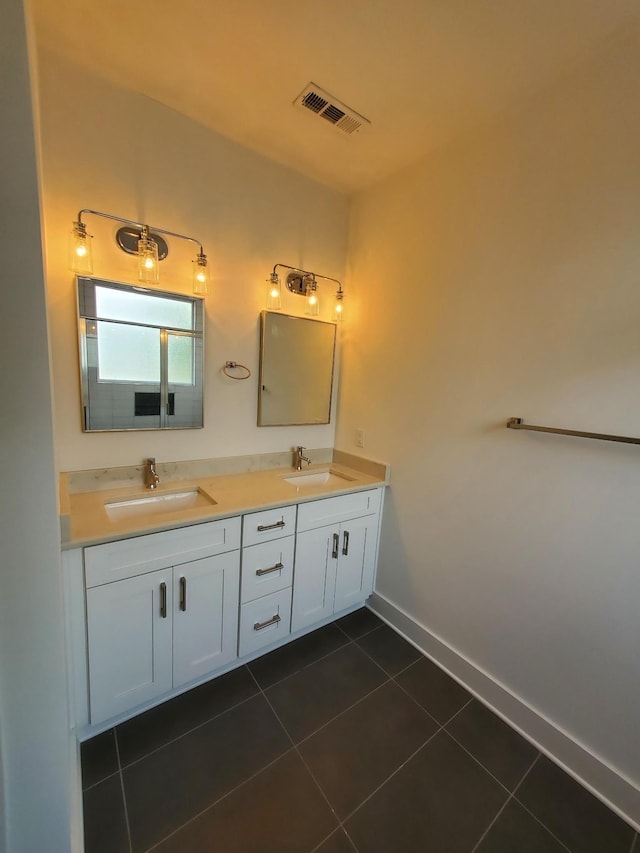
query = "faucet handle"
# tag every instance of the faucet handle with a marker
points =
(300, 448)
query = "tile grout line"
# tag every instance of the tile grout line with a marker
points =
(504, 805)
(295, 747)
(221, 798)
(302, 668)
(341, 713)
(379, 665)
(413, 699)
(100, 781)
(528, 810)
(364, 634)
(477, 761)
(331, 834)
(189, 731)
(259, 692)
(226, 710)
(308, 769)
(124, 796)
(391, 775)
(246, 666)
(349, 641)
(441, 728)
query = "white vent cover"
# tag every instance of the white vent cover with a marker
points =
(317, 101)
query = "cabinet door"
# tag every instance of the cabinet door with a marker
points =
(205, 622)
(129, 636)
(356, 561)
(314, 576)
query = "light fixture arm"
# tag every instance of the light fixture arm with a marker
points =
(307, 272)
(140, 225)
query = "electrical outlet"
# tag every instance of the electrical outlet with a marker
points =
(359, 438)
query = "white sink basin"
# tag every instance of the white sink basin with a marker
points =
(317, 478)
(156, 504)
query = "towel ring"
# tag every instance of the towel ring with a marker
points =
(233, 365)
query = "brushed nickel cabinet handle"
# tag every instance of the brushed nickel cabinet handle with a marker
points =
(262, 527)
(258, 626)
(275, 568)
(183, 594)
(163, 600)
(345, 542)
(336, 543)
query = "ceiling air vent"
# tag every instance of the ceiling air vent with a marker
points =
(317, 101)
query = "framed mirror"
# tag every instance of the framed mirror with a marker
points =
(141, 357)
(296, 370)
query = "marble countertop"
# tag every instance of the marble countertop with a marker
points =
(87, 518)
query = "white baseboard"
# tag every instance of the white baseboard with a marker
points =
(606, 783)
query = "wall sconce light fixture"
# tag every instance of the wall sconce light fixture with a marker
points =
(274, 292)
(135, 238)
(302, 283)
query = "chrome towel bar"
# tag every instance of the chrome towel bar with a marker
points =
(517, 423)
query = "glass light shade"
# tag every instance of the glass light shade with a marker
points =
(313, 300)
(338, 307)
(274, 293)
(200, 274)
(80, 257)
(147, 259)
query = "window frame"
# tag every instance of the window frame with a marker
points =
(88, 314)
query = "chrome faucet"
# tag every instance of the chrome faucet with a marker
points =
(299, 458)
(151, 478)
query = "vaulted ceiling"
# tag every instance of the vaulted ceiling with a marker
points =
(422, 71)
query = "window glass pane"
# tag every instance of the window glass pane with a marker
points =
(180, 350)
(146, 308)
(128, 353)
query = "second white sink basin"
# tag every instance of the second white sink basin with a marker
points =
(318, 478)
(158, 503)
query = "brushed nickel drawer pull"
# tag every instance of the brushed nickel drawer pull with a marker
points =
(262, 527)
(183, 594)
(345, 542)
(273, 621)
(275, 568)
(336, 542)
(163, 600)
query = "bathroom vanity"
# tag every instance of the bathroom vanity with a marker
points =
(160, 600)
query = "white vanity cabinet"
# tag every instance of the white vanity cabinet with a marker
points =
(336, 547)
(152, 629)
(154, 614)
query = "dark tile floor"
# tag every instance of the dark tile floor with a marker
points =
(345, 740)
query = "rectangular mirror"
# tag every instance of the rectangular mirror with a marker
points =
(296, 370)
(141, 357)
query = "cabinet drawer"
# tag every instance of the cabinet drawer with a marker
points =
(264, 621)
(341, 508)
(268, 524)
(266, 568)
(129, 557)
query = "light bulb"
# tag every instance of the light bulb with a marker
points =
(80, 259)
(338, 307)
(313, 300)
(200, 273)
(274, 297)
(148, 258)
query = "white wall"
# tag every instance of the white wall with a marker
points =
(500, 277)
(36, 749)
(112, 150)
